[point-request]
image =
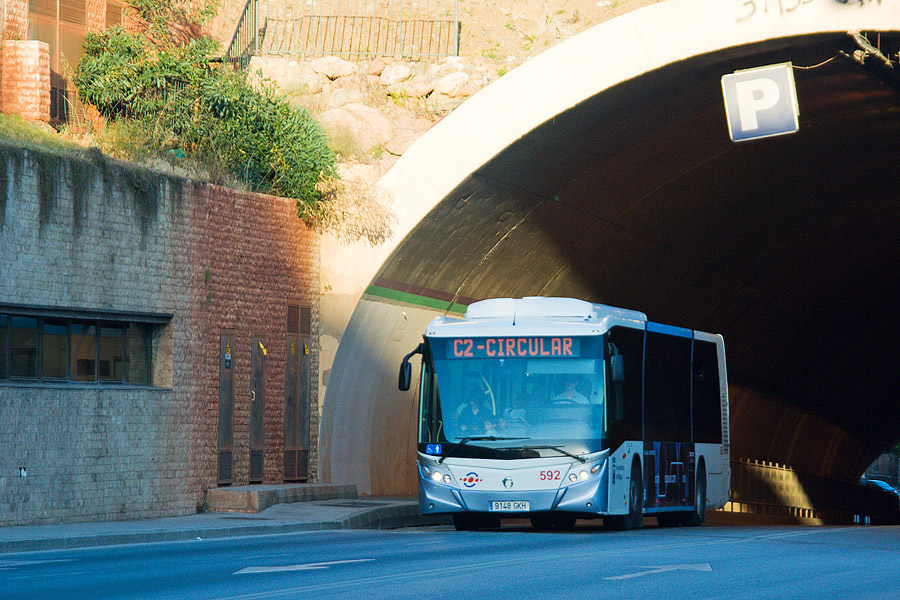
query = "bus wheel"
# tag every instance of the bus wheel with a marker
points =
(635, 517)
(636, 497)
(698, 515)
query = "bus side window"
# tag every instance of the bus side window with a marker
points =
(706, 401)
(625, 397)
(667, 391)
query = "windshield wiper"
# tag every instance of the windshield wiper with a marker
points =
(558, 449)
(478, 438)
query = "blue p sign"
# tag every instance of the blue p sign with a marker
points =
(761, 102)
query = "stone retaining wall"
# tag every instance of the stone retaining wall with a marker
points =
(214, 259)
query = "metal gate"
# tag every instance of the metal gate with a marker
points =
(296, 398)
(408, 28)
(257, 409)
(226, 410)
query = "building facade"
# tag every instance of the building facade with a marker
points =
(157, 338)
(47, 36)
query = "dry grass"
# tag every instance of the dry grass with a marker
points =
(356, 210)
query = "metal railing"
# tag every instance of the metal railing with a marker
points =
(245, 42)
(408, 28)
(765, 488)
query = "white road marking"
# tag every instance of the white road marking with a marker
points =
(302, 567)
(15, 564)
(664, 569)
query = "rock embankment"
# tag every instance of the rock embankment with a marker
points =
(375, 109)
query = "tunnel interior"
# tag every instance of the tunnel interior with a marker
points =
(788, 246)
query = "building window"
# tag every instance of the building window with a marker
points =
(138, 347)
(83, 351)
(62, 25)
(4, 329)
(23, 347)
(54, 340)
(53, 348)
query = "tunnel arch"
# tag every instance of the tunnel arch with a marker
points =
(602, 169)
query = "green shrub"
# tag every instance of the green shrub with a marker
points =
(176, 102)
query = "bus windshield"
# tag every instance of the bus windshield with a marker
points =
(539, 394)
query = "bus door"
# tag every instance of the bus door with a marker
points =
(669, 474)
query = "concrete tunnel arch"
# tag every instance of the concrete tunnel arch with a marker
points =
(602, 169)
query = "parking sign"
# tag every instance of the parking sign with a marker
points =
(761, 102)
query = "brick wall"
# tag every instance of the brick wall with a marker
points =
(215, 259)
(15, 20)
(25, 79)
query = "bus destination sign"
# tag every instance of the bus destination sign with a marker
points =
(514, 347)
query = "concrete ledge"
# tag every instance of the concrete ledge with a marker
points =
(256, 498)
(393, 516)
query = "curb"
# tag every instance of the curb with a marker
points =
(378, 517)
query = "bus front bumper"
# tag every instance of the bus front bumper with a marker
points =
(588, 497)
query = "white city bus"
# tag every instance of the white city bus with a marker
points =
(557, 409)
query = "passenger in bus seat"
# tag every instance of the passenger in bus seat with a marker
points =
(495, 426)
(472, 417)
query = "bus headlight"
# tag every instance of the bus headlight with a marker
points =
(436, 475)
(584, 473)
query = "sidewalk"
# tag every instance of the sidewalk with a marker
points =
(315, 515)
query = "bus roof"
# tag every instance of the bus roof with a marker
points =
(536, 315)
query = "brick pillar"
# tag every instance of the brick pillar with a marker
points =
(25, 84)
(15, 21)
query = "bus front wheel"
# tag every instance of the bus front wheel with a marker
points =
(635, 517)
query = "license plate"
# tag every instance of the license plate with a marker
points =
(508, 506)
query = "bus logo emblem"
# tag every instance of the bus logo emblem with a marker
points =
(507, 482)
(471, 479)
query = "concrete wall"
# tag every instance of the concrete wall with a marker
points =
(76, 235)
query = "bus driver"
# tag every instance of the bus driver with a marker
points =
(571, 393)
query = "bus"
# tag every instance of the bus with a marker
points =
(558, 409)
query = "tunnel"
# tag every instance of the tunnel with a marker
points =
(604, 170)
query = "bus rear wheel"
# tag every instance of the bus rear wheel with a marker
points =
(698, 515)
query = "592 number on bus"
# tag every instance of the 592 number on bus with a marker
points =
(552, 475)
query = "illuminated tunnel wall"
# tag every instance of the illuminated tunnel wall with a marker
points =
(603, 170)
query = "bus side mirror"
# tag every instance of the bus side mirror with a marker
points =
(405, 376)
(617, 366)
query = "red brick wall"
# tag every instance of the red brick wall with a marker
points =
(25, 79)
(242, 259)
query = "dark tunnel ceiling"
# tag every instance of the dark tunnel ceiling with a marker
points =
(636, 197)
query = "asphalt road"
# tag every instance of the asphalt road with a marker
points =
(515, 562)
